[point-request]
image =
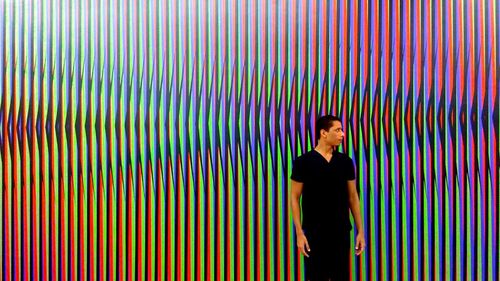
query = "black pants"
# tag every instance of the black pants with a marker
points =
(329, 255)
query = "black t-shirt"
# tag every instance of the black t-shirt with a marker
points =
(325, 204)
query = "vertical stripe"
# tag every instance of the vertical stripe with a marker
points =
(155, 140)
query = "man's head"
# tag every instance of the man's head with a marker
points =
(329, 130)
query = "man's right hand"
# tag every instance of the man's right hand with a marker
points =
(303, 244)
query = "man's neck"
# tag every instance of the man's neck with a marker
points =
(324, 148)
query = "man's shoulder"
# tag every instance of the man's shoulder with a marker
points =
(344, 156)
(306, 156)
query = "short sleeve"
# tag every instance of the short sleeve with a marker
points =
(298, 173)
(351, 174)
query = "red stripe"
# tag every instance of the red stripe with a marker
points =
(418, 15)
(129, 264)
(90, 196)
(209, 230)
(345, 42)
(179, 253)
(451, 50)
(148, 224)
(188, 223)
(169, 226)
(62, 231)
(461, 53)
(120, 261)
(440, 56)
(34, 205)
(243, 30)
(248, 234)
(91, 247)
(159, 244)
(472, 66)
(273, 27)
(100, 216)
(366, 47)
(493, 70)
(6, 222)
(52, 219)
(217, 215)
(72, 250)
(258, 241)
(35, 228)
(228, 242)
(387, 58)
(376, 43)
(110, 242)
(355, 46)
(238, 228)
(235, 34)
(25, 245)
(199, 214)
(398, 43)
(139, 239)
(482, 61)
(408, 46)
(81, 228)
(429, 57)
(314, 57)
(15, 187)
(293, 34)
(43, 267)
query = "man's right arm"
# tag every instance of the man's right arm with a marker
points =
(296, 192)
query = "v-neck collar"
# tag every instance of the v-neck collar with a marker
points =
(323, 157)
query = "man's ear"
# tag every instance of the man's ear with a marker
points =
(321, 132)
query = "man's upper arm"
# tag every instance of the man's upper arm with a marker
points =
(351, 188)
(297, 189)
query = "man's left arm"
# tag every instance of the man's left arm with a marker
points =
(356, 213)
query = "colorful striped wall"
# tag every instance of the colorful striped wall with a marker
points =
(154, 139)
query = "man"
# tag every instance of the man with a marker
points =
(325, 179)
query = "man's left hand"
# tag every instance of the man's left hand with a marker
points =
(360, 244)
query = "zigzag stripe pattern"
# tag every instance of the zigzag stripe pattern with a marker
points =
(154, 139)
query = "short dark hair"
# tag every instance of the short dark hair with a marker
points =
(325, 123)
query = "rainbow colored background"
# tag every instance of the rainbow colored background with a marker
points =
(154, 139)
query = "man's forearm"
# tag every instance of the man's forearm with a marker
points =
(296, 215)
(356, 213)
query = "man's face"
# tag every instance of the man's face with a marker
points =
(335, 135)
